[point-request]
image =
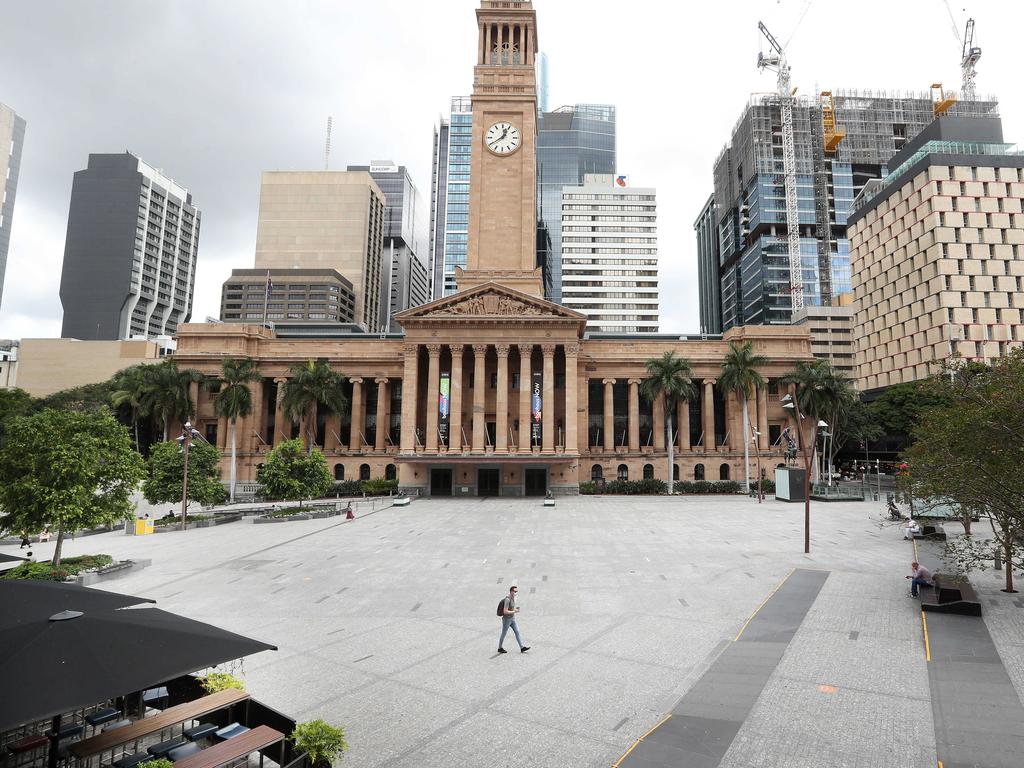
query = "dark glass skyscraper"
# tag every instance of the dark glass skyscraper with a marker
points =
(572, 141)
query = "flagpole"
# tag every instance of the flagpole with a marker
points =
(266, 299)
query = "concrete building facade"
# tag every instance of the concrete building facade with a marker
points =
(12, 139)
(831, 331)
(325, 220)
(46, 366)
(938, 255)
(708, 285)
(610, 255)
(8, 364)
(130, 253)
(288, 297)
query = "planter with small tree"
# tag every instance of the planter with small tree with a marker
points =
(322, 742)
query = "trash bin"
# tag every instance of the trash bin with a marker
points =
(143, 527)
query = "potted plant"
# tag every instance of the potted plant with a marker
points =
(214, 682)
(162, 762)
(323, 742)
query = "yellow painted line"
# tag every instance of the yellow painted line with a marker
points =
(927, 645)
(763, 602)
(657, 725)
(916, 556)
(940, 764)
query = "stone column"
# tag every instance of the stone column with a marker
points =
(609, 415)
(683, 424)
(751, 419)
(455, 408)
(479, 393)
(525, 371)
(634, 415)
(708, 412)
(433, 389)
(409, 390)
(501, 401)
(572, 352)
(658, 417)
(193, 395)
(762, 417)
(280, 428)
(223, 426)
(382, 414)
(254, 422)
(355, 439)
(548, 406)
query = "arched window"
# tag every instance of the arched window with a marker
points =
(596, 472)
(390, 472)
(623, 473)
(675, 471)
(723, 472)
(698, 472)
(339, 471)
(648, 471)
(364, 471)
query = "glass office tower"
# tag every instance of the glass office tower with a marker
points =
(449, 196)
(573, 141)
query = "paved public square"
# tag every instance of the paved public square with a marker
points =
(386, 625)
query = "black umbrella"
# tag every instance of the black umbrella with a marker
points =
(23, 601)
(75, 659)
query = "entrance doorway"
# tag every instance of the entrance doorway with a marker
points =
(440, 482)
(536, 482)
(488, 482)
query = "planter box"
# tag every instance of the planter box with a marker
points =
(109, 572)
(324, 514)
(549, 502)
(287, 518)
(401, 501)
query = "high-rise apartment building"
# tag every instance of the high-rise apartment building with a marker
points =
(572, 141)
(449, 196)
(937, 250)
(326, 220)
(12, 138)
(749, 214)
(707, 269)
(610, 255)
(130, 253)
(406, 282)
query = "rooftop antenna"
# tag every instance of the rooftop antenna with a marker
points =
(327, 145)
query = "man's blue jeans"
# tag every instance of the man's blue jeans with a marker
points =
(506, 622)
(915, 583)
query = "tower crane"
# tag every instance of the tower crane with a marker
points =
(776, 61)
(970, 56)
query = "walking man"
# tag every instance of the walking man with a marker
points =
(919, 577)
(508, 619)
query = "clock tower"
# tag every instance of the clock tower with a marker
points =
(503, 182)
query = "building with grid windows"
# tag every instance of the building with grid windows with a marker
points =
(406, 282)
(12, 138)
(937, 250)
(130, 252)
(449, 196)
(610, 255)
(572, 141)
(751, 265)
(290, 297)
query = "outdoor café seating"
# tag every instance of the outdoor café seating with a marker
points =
(230, 731)
(184, 750)
(102, 716)
(162, 748)
(200, 732)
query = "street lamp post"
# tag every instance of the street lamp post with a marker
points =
(757, 453)
(790, 403)
(186, 441)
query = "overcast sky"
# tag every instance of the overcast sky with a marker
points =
(215, 91)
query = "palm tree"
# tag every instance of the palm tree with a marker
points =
(130, 393)
(234, 400)
(822, 392)
(671, 377)
(739, 374)
(166, 392)
(311, 385)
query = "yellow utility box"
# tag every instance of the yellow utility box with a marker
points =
(142, 527)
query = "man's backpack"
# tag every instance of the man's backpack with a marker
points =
(501, 607)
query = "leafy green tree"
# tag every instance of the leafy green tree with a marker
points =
(898, 408)
(130, 394)
(166, 393)
(13, 402)
(88, 398)
(291, 474)
(310, 386)
(66, 470)
(167, 472)
(968, 451)
(672, 377)
(739, 374)
(234, 400)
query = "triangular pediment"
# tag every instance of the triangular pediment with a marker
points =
(490, 301)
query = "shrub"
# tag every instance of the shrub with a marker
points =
(348, 487)
(214, 682)
(767, 486)
(174, 518)
(70, 566)
(707, 486)
(588, 488)
(379, 487)
(323, 742)
(292, 474)
(162, 762)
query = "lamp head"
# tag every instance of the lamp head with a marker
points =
(787, 399)
(789, 405)
(821, 423)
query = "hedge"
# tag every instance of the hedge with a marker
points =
(69, 566)
(655, 487)
(707, 486)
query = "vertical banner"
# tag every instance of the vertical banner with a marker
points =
(536, 409)
(443, 406)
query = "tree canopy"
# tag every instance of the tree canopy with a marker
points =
(167, 469)
(311, 385)
(66, 470)
(293, 475)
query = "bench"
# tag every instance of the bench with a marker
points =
(951, 594)
(930, 531)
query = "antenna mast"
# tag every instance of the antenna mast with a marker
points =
(327, 145)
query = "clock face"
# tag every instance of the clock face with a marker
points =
(502, 138)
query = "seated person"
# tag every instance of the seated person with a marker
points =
(911, 529)
(919, 577)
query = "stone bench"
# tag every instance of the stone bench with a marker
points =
(951, 594)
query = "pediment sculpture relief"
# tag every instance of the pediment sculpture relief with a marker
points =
(490, 304)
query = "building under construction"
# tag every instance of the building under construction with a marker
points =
(842, 140)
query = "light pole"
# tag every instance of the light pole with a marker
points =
(185, 440)
(790, 403)
(757, 453)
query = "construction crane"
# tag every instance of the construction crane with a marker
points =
(776, 61)
(970, 56)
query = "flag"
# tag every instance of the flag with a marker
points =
(622, 181)
(270, 283)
